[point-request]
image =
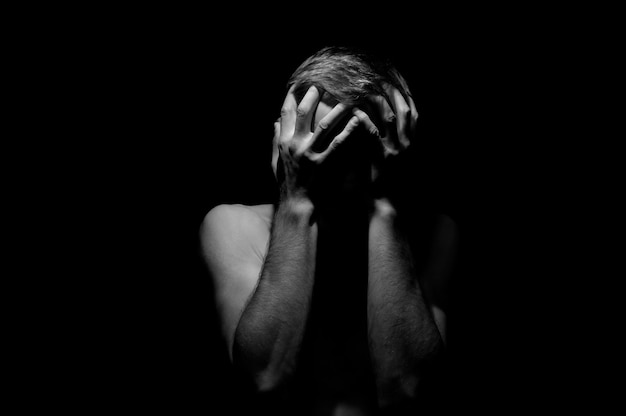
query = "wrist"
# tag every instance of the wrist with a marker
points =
(383, 207)
(297, 206)
(290, 190)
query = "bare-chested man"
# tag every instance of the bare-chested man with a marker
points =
(332, 300)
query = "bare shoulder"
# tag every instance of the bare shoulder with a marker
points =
(235, 213)
(237, 219)
(235, 227)
(233, 243)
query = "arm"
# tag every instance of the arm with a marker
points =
(270, 331)
(270, 327)
(261, 296)
(404, 338)
(403, 334)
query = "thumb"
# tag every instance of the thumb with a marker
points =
(276, 130)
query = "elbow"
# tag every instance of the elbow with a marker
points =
(264, 375)
(397, 391)
(409, 382)
(267, 381)
(403, 390)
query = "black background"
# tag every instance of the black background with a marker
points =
(172, 115)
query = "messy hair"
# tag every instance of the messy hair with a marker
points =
(348, 75)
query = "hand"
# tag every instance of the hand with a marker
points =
(299, 163)
(397, 118)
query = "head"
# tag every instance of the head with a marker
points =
(343, 75)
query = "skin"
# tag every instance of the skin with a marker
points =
(297, 312)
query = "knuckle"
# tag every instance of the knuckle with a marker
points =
(285, 111)
(390, 118)
(308, 154)
(392, 151)
(323, 125)
(338, 140)
(302, 111)
(360, 114)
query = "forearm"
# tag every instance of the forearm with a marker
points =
(403, 335)
(271, 328)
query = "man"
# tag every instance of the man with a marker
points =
(332, 300)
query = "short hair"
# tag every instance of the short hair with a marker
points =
(348, 75)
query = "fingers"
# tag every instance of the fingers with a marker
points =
(402, 111)
(306, 110)
(389, 137)
(288, 115)
(277, 129)
(366, 121)
(353, 123)
(333, 117)
(414, 115)
(328, 122)
(275, 147)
